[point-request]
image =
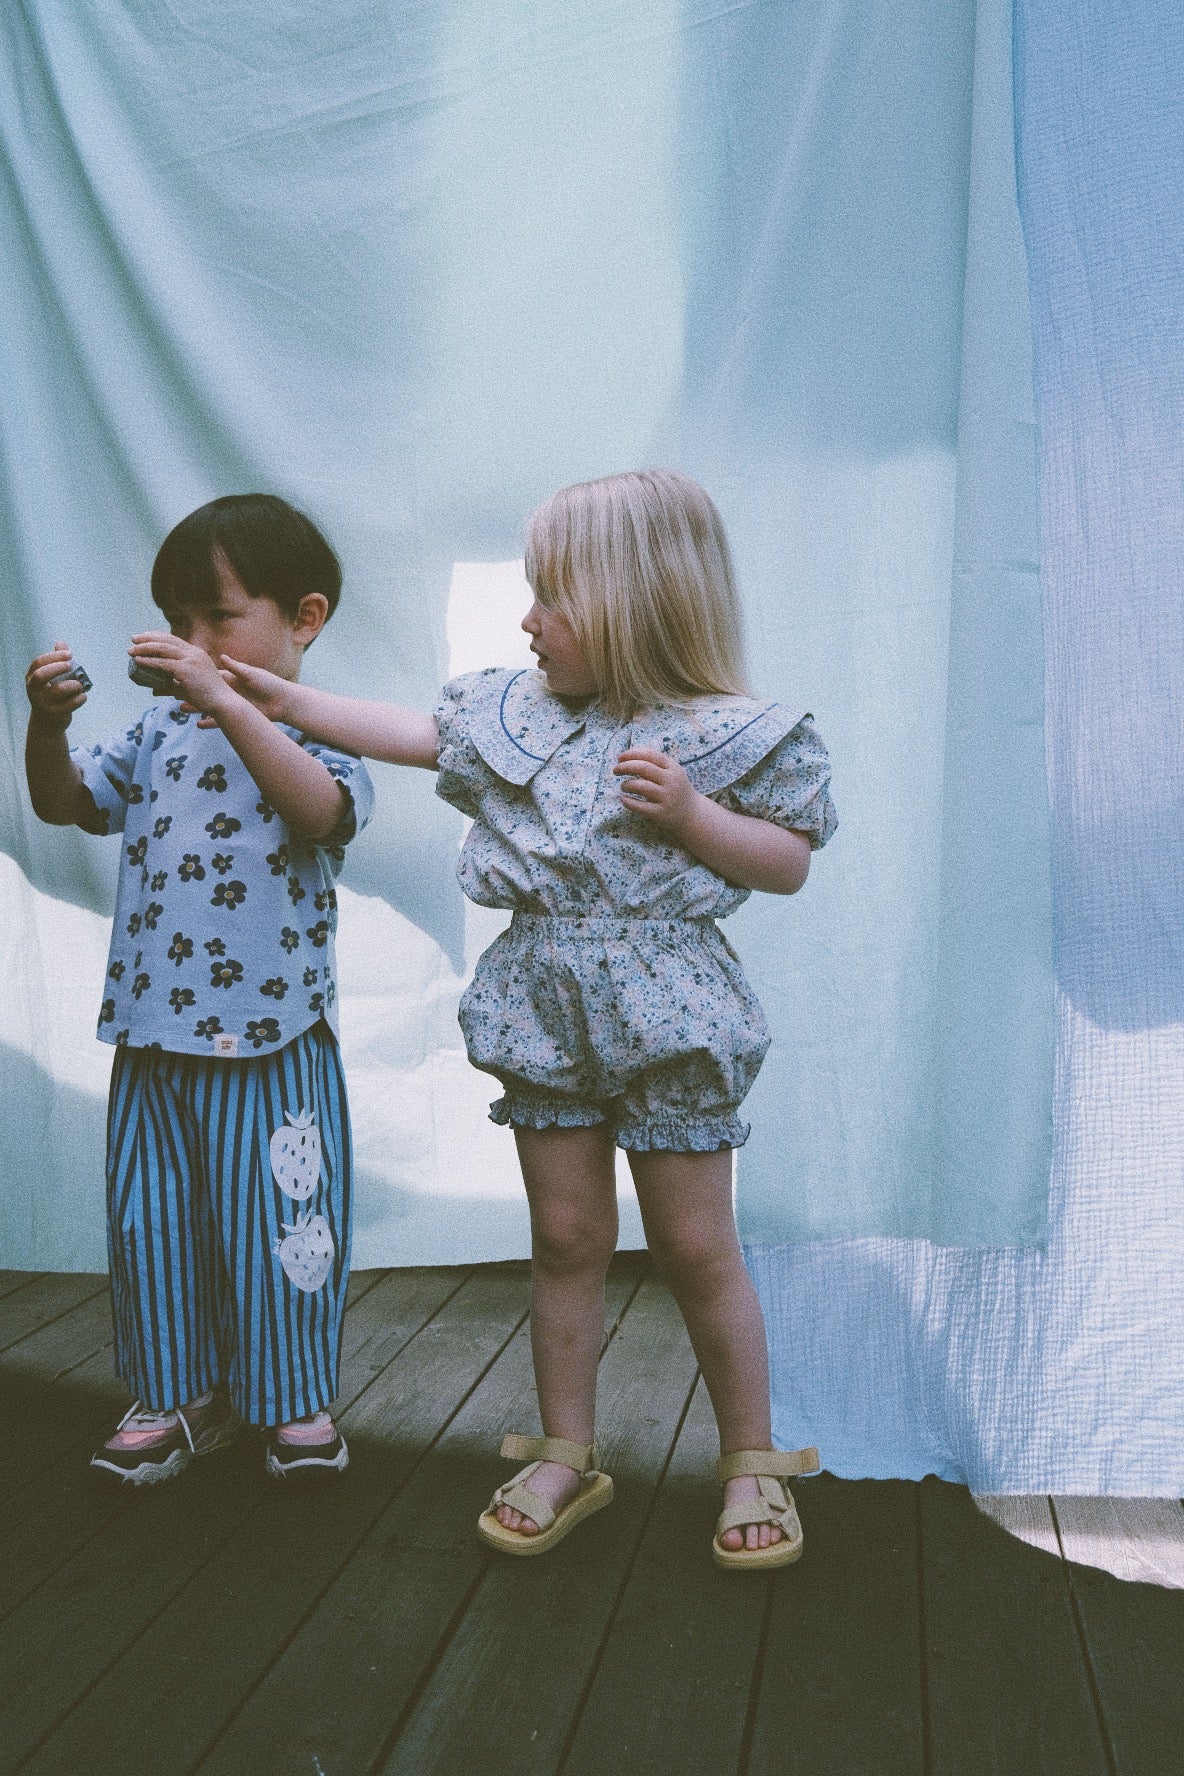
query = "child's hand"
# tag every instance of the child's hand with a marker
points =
(657, 786)
(53, 695)
(195, 675)
(266, 690)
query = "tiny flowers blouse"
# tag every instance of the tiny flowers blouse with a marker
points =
(551, 833)
(222, 941)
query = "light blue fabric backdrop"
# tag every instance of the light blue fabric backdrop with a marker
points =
(417, 267)
(1063, 1370)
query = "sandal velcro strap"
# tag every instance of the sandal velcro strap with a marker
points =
(519, 1497)
(580, 1456)
(761, 1510)
(777, 1464)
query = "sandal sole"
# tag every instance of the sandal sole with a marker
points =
(594, 1495)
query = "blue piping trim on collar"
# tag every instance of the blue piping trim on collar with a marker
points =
(501, 716)
(699, 756)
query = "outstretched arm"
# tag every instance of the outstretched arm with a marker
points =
(387, 731)
(298, 786)
(752, 853)
(56, 789)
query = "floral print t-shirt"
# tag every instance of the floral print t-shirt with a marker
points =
(222, 941)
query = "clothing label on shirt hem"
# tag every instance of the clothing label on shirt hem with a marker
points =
(226, 1046)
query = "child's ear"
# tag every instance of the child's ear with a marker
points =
(312, 614)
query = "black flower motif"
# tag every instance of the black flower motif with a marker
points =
(208, 1027)
(190, 867)
(228, 894)
(152, 913)
(107, 1011)
(265, 812)
(161, 825)
(222, 825)
(223, 861)
(226, 974)
(180, 997)
(213, 777)
(275, 988)
(214, 946)
(138, 958)
(336, 852)
(178, 715)
(327, 898)
(158, 740)
(278, 859)
(181, 948)
(135, 793)
(317, 1002)
(133, 925)
(136, 853)
(310, 977)
(153, 795)
(289, 939)
(141, 985)
(330, 992)
(121, 1038)
(159, 880)
(174, 766)
(116, 971)
(261, 1030)
(144, 877)
(295, 892)
(319, 934)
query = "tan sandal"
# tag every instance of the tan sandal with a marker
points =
(596, 1490)
(770, 1468)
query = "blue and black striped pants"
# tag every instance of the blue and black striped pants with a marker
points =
(228, 1225)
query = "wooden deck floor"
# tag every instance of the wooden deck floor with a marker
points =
(217, 1624)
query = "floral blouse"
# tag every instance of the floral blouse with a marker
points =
(222, 941)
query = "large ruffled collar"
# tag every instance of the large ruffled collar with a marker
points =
(516, 724)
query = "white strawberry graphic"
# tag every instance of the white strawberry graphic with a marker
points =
(307, 1254)
(296, 1156)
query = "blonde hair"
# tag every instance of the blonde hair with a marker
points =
(639, 565)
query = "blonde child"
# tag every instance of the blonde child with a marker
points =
(624, 796)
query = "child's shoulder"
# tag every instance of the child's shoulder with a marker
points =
(509, 716)
(718, 739)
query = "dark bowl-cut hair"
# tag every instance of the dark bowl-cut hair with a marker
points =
(273, 550)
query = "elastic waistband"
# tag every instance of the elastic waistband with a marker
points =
(608, 925)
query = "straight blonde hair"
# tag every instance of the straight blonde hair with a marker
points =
(639, 565)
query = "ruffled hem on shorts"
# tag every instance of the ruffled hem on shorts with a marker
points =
(683, 1134)
(519, 1112)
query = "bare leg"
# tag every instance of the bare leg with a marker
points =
(571, 1188)
(686, 1205)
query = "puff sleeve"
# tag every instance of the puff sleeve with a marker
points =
(790, 786)
(108, 772)
(460, 769)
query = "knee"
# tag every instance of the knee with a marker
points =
(695, 1269)
(569, 1244)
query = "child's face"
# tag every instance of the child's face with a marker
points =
(560, 657)
(253, 630)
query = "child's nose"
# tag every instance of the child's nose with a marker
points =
(530, 621)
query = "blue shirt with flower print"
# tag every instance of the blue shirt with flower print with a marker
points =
(222, 940)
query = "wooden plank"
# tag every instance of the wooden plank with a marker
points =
(46, 1297)
(1027, 1516)
(50, 1386)
(693, 1631)
(840, 1681)
(15, 1279)
(1140, 1540)
(353, 1667)
(505, 1690)
(224, 1522)
(1008, 1688)
(1135, 1636)
(57, 1513)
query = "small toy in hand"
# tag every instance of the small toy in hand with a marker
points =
(73, 671)
(152, 680)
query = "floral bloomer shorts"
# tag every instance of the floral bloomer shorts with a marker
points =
(648, 1025)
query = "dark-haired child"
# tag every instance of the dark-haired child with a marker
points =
(228, 1148)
